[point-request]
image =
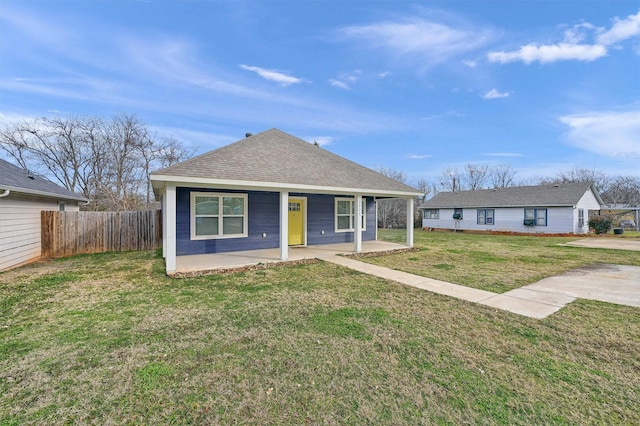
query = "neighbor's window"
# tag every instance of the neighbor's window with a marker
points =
(457, 214)
(536, 216)
(485, 216)
(581, 217)
(431, 213)
(345, 214)
(61, 206)
(216, 215)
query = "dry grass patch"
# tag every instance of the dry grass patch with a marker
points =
(113, 341)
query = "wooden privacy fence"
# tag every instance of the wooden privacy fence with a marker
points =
(70, 233)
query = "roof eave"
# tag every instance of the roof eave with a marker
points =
(159, 181)
(42, 193)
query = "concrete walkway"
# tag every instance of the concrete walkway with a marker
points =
(609, 283)
(606, 243)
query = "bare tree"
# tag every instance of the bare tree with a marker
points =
(476, 176)
(106, 161)
(451, 180)
(502, 176)
(578, 174)
(623, 190)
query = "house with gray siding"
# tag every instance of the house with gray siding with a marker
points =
(270, 190)
(544, 209)
(23, 195)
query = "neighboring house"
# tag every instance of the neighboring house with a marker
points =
(547, 209)
(23, 195)
(269, 190)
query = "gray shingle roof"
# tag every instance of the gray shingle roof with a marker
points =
(564, 194)
(277, 157)
(17, 179)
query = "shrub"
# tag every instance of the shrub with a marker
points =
(601, 224)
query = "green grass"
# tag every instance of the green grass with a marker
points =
(497, 263)
(108, 339)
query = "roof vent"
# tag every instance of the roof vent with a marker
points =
(248, 134)
(30, 175)
(556, 185)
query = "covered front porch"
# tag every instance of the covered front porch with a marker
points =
(245, 258)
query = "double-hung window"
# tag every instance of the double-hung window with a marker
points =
(345, 215)
(485, 216)
(535, 217)
(431, 213)
(216, 215)
(581, 217)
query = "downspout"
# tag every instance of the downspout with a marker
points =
(6, 192)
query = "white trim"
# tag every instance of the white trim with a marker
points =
(163, 203)
(304, 217)
(170, 218)
(18, 190)
(410, 219)
(357, 226)
(202, 182)
(335, 214)
(220, 216)
(284, 225)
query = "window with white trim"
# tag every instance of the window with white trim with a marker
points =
(431, 213)
(485, 216)
(581, 217)
(218, 215)
(345, 214)
(535, 217)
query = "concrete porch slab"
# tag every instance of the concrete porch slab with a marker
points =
(240, 259)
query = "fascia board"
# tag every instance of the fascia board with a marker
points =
(15, 189)
(275, 186)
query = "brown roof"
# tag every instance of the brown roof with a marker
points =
(278, 158)
(563, 194)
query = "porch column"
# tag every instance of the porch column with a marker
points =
(163, 210)
(169, 218)
(410, 222)
(357, 226)
(284, 225)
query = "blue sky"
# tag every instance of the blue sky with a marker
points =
(415, 86)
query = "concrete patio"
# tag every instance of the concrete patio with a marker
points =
(240, 259)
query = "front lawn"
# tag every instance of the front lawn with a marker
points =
(108, 339)
(497, 263)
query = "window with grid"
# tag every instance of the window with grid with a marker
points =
(216, 215)
(345, 215)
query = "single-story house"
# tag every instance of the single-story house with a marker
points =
(547, 209)
(270, 190)
(23, 195)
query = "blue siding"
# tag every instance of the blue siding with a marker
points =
(264, 217)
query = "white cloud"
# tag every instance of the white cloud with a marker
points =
(418, 156)
(272, 75)
(605, 133)
(575, 45)
(418, 38)
(339, 84)
(622, 29)
(384, 74)
(550, 53)
(494, 94)
(469, 63)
